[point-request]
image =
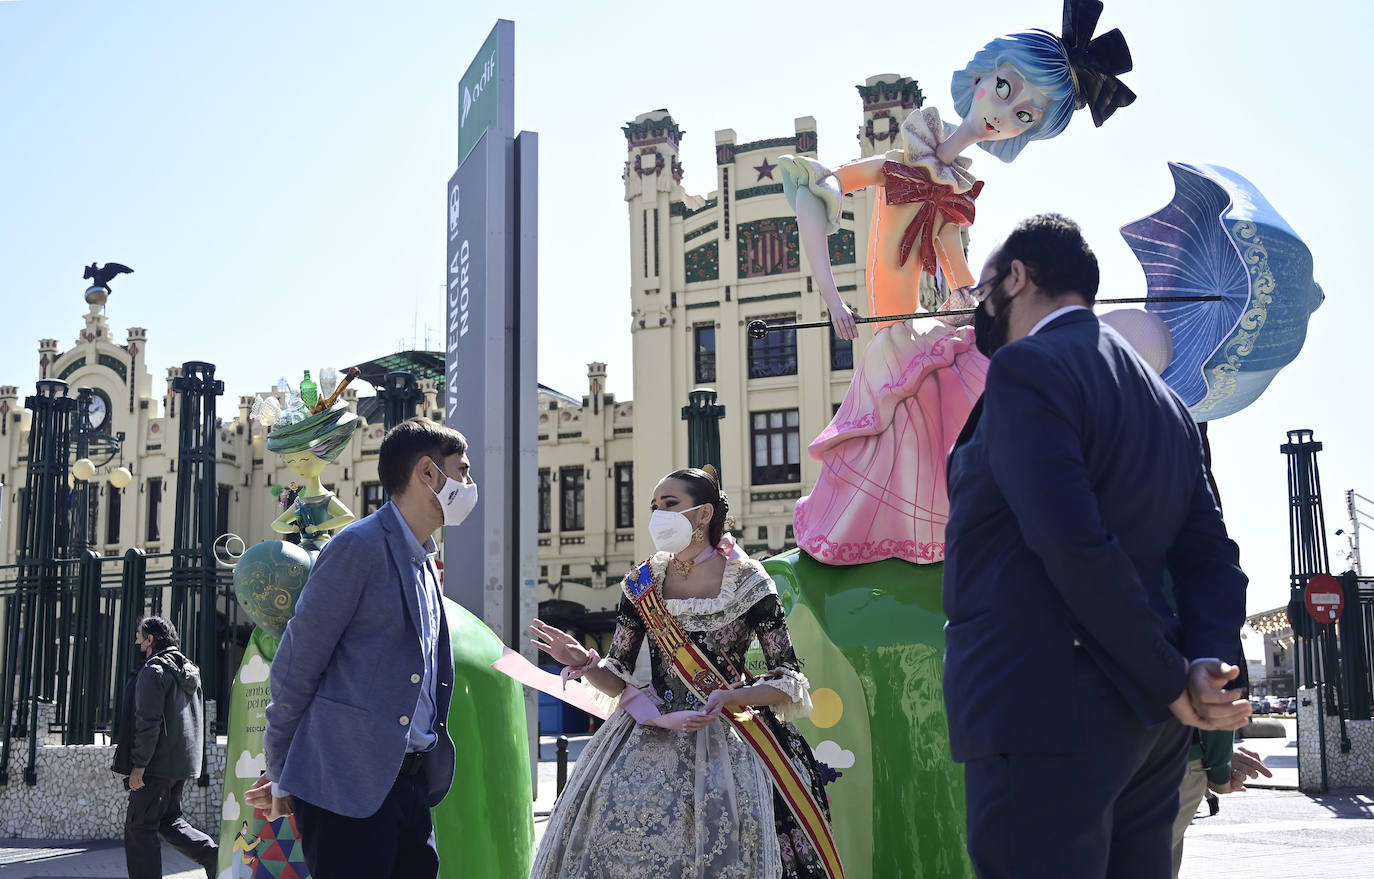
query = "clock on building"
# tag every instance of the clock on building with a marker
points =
(100, 410)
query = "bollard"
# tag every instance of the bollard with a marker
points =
(562, 764)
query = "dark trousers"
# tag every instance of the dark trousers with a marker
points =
(155, 810)
(1105, 811)
(397, 840)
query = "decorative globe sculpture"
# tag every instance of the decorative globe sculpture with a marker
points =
(268, 579)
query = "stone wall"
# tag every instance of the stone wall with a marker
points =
(1353, 769)
(78, 797)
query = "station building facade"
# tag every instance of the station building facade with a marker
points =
(702, 267)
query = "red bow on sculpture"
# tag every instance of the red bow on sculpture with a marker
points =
(905, 185)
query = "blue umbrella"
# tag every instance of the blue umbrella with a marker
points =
(1220, 237)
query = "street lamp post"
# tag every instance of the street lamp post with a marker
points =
(399, 395)
(703, 416)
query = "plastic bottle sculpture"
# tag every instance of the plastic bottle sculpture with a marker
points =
(485, 826)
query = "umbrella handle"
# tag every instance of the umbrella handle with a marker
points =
(758, 329)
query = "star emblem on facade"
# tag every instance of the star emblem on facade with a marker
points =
(765, 170)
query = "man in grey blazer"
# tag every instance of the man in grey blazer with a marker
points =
(356, 742)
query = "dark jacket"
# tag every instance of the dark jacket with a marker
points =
(1076, 483)
(164, 718)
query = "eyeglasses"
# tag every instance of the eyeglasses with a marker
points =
(984, 290)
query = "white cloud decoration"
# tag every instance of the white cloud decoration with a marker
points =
(231, 809)
(834, 756)
(250, 765)
(254, 671)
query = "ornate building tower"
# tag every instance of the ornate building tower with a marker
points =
(654, 195)
(888, 99)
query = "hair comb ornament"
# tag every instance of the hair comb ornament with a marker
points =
(710, 470)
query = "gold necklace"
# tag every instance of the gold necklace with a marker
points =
(683, 568)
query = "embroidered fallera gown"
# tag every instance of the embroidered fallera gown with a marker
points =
(881, 491)
(650, 802)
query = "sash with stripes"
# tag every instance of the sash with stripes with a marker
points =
(700, 675)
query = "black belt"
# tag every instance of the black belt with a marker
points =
(413, 762)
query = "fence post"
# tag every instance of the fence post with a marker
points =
(79, 728)
(131, 602)
(1354, 660)
(14, 605)
(562, 752)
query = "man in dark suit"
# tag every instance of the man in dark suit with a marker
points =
(356, 740)
(1077, 481)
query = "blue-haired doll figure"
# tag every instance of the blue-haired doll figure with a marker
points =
(881, 491)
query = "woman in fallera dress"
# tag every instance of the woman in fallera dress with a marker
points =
(698, 775)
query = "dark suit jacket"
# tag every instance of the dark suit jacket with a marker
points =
(347, 675)
(1076, 482)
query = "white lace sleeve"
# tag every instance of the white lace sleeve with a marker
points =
(797, 688)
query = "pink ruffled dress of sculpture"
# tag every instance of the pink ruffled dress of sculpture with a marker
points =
(882, 491)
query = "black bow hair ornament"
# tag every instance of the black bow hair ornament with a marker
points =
(1095, 63)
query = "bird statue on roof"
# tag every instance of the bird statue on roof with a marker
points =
(100, 276)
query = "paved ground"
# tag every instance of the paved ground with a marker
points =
(1280, 834)
(1280, 755)
(1275, 832)
(22, 858)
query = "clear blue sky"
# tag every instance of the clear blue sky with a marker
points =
(275, 173)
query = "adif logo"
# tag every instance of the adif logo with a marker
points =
(473, 93)
(453, 210)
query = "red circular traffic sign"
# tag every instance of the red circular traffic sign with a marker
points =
(1324, 598)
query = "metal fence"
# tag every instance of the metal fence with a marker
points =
(67, 639)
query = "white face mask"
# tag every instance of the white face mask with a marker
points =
(670, 529)
(456, 499)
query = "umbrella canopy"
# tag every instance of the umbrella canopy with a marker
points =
(1220, 237)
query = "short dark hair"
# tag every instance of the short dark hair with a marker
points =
(161, 630)
(410, 441)
(703, 490)
(1055, 253)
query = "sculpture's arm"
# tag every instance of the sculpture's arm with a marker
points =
(815, 193)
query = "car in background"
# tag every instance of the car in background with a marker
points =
(1259, 706)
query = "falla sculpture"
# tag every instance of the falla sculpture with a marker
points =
(863, 590)
(484, 827)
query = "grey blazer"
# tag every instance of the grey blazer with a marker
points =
(345, 678)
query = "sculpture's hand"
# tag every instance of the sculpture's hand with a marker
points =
(842, 319)
(959, 299)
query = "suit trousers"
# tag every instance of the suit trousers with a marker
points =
(155, 811)
(397, 840)
(1103, 812)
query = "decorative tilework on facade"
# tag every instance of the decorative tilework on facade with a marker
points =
(842, 248)
(702, 263)
(72, 367)
(697, 233)
(769, 247)
(755, 191)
